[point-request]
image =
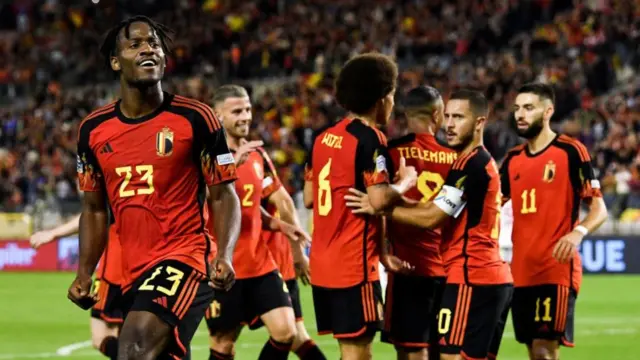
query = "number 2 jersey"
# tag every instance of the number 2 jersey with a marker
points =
(154, 170)
(344, 250)
(546, 190)
(420, 247)
(470, 249)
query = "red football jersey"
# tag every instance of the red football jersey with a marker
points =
(470, 248)
(344, 250)
(420, 247)
(546, 190)
(110, 265)
(280, 248)
(153, 170)
(257, 180)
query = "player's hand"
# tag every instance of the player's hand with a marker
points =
(407, 176)
(41, 238)
(295, 233)
(302, 270)
(567, 246)
(394, 264)
(80, 292)
(242, 152)
(358, 201)
(222, 274)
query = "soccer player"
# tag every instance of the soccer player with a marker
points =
(106, 314)
(479, 286)
(260, 295)
(547, 179)
(152, 155)
(345, 248)
(413, 299)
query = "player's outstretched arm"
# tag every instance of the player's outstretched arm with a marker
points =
(307, 194)
(382, 196)
(225, 204)
(46, 236)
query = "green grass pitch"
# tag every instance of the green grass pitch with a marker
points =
(37, 321)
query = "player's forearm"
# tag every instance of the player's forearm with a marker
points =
(268, 221)
(421, 215)
(596, 216)
(226, 208)
(287, 209)
(307, 194)
(93, 239)
(70, 227)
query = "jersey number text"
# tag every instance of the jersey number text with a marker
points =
(424, 188)
(146, 174)
(248, 191)
(174, 275)
(547, 310)
(324, 190)
(532, 202)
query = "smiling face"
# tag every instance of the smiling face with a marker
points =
(236, 116)
(139, 58)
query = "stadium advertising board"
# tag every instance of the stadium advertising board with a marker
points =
(611, 255)
(19, 256)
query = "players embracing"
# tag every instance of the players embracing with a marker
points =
(547, 179)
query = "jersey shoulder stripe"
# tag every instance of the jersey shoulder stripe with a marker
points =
(461, 162)
(516, 150)
(406, 139)
(104, 110)
(201, 108)
(582, 150)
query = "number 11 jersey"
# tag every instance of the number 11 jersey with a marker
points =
(420, 247)
(344, 250)
(154, 170)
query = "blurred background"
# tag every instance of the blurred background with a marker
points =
(287, 53)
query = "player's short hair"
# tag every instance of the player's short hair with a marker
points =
(364, 80)
(109, 45)
(224, 92)
(421, 100)
(543, 91)
(477, 101)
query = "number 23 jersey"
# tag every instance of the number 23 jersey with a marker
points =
(344, 250)
(154, 170)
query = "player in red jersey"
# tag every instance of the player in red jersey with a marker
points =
(152, 155)
(260, 295)
(345, 248)
(546, 179)
(106, 314)
(413, 299)
(479, 284)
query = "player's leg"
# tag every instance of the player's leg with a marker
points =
(450, 309)
(408, 314)
(494, 347)
(106, 319)
(523, 316)
(166, 305)
(356, 348)
(304, 347)
(270, 301)
(224, 319)
(434, 346)
(554, 313)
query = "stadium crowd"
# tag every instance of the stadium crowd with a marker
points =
(588, 51)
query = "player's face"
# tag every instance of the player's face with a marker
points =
(385, 108)
(140, 59)
(459, 123)
(236, 116)
(529, 112)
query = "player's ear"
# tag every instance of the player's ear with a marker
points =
(115, 64)
(548, 112)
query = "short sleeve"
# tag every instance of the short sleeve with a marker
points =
(586, 183)
(372, 158)
(216, 161)
(270, 180)
(505, 185)
(466, 184)
(90, 177)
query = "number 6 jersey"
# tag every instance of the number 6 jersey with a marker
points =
(420, 247)
(344, 250)
(154, 170)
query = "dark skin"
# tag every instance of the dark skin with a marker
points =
(140, 60)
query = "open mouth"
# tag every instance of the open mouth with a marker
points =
(149, 63)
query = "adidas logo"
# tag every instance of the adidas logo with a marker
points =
(106, 149)
(442, 342)
(516, 177)
(162, 301)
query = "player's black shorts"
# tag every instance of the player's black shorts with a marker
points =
(410, 310)
(544, 312)
(294, 293)
(177, 294)
(246, 301)
(350, 312)
(109, 306)
(472, 319)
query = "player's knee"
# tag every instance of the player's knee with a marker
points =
(284, 334)
(412, 353)
(544, 350)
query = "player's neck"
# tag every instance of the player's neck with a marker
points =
(233, 142)
(367, 119)
(422, 126)
(541, 141)
(140, 101)
(477, 141)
